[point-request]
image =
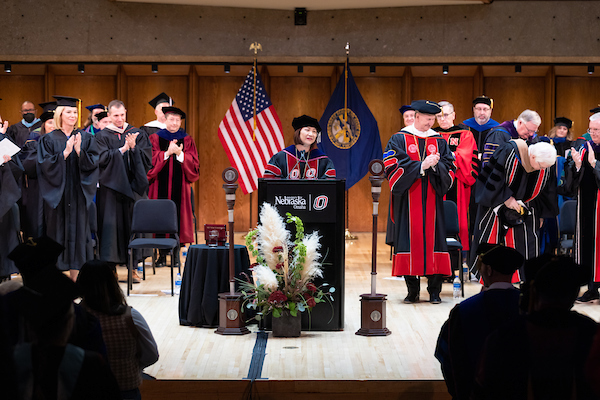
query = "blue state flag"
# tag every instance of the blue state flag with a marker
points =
(350, 135)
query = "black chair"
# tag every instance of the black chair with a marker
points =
(568, 218)
(452, 238)
(93, 218)
(159, 218)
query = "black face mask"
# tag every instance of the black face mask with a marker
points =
(29, 117)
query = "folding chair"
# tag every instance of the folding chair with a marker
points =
(156, 217)
(568, 217)
(452, 238)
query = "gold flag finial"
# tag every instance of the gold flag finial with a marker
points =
(256, 47)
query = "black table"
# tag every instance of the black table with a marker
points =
(206, 274)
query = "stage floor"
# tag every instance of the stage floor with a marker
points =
(190, 353)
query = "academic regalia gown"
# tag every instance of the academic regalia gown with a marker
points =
(122, 181)
(68, 188)
(463, 146)
(507, 174)
(171, 179)
(585, 185)
(291, 163)
(19, 133)
(416, 221)
(32, 214)
(10, 192)
(152, 127)
(479, 132)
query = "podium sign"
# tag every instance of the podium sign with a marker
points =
(320, 205)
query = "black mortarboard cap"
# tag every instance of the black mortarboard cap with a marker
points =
(564, 121)
(593, 110)
(503, 259)
(102, 115)
(483, 100)
(34, 254)
(46, 116)
(305, 120)
(161, 98)
(48, 106)
(405, 108)
(66, 101)
(426, 107)
(174, 110)
(559, 276)
(95, 106)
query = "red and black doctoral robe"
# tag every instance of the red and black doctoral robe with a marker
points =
(416, 221)
(509, 173)
(171, 179)
(585, 183)
(290, 163)
(464, 148)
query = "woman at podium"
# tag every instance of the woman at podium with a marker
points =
(302, 160)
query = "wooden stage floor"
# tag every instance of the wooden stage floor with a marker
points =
(189, 353)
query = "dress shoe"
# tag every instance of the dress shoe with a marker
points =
(588, 296)
(412, 298)
(435, 299)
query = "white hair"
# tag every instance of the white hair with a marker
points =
(544, 153)
(530, 116)
(595, 117)
(446, 103)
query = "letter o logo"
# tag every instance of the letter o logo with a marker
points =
(321, 202)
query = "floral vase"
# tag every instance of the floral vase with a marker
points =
(287, 325)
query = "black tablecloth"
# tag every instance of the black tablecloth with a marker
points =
(206, 274)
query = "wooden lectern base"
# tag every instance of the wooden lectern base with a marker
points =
(230, 318)
(372, 315)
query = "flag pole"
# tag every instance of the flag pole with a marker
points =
(347, 234)
(254, 47)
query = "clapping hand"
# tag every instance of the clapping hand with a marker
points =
(69, 146)
(3, 126)
(174, 149)
(77, 143)
(591, 156)
(130, 140)
(576, 158)
(431, 160)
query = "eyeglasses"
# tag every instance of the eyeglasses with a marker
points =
(28, 110)
(444, 116)
(593, 130)
(529, 131)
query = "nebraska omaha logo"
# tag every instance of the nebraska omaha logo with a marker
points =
(297, 202)
(320, 202)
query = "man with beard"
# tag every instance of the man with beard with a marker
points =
(482, 121)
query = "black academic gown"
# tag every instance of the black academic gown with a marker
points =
(416, 221)
(505, 175)
(10, 192)
(19, 133)
(68, 188)
(122, 181)
(32, 215)
(585, 184)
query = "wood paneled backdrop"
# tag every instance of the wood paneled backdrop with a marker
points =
(206, 91)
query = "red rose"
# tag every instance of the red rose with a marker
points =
(277, 297)
(310, 301)
(311, 286)
(277, 249)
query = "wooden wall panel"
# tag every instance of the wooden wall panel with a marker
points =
(141, 89)
(575, 96)
(456, 90)
(513, 95)
(383, 97)
(91, 89)
(215, 97)
(15, 89)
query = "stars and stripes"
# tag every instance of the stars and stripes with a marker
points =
(248, 154)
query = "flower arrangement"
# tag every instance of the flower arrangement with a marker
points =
(284, 271)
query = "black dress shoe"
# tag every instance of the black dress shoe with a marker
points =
(412, 298)
(435, 299)
(588, 296)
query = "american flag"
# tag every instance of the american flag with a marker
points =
(236, 132)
